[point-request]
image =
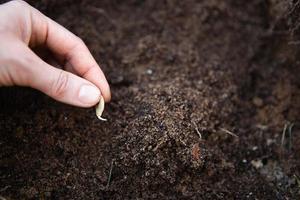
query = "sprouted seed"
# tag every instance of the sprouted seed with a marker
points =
(100, 109)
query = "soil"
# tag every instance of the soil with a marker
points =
(205, 105)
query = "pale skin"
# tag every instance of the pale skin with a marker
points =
(79, 82)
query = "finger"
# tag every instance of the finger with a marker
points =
(60, 85)
(66, 44)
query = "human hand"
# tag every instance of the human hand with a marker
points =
(23, 27)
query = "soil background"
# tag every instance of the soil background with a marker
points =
(205, 105)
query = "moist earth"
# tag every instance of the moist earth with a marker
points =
(205, 105)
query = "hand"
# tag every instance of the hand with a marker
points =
(21, 27)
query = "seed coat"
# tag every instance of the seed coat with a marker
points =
(100, 109)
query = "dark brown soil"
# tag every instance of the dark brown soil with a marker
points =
(206, 105)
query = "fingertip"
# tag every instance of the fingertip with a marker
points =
(107, 97)
(89, 95)
(96, 76)
(105, 90)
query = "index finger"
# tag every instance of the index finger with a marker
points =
(64, 43)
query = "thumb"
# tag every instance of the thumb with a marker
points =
(65, 86)
(60, 85)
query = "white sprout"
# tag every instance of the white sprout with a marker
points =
(100, 109)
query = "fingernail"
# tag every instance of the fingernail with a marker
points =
(89, 94)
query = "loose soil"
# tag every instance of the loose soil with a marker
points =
(205, 105)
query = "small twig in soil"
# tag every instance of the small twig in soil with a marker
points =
(110, 173)
(283, 134)
(293, 8)
(229, 132)
(197, 130)
(297, 180)
(5, 188)
(290, 135)
(288, 127)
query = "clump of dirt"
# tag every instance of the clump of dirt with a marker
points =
(205, 105)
